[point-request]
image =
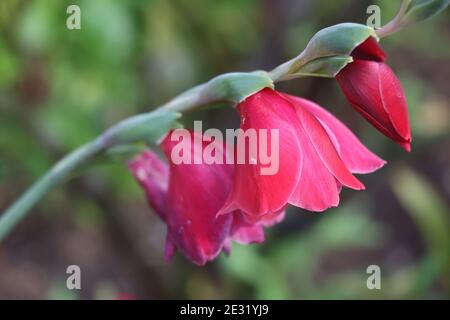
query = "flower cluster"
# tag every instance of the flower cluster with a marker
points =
(207, 206)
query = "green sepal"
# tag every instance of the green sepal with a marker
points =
(327, 67)
(339, 39)
(327, 52)
(236, 86)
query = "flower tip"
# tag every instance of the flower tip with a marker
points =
(406, 145)
(358, 185)
(199, 263)
(200, 259)
(226, 249)
(169, 250)
(382, 163)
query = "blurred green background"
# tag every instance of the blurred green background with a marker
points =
(61, 88)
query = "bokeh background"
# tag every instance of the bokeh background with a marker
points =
(61, 88)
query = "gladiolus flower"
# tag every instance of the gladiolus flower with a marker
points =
(375, 92)
(317, 155)
(187, 197)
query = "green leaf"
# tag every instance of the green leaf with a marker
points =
(236, 86)
(419, 10)
(149, 127)
(327, 67)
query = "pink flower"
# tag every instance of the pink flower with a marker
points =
(188, 197)
(375, 92)
(317, 155)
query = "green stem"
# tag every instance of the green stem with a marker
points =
(187, 100)
(280, 73)
(395, 24)
(18, 210)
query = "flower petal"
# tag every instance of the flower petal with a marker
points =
(317, 189)
(195, 195)
(272, 219)
(153, 176)
(254, 193)
(369, 50)
(323, 171)
(394, 101)
(325, 149)
(170, 249)
(356, 157)
(245, 233)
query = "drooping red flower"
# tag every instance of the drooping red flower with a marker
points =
(188, 196)
(317, 155)
(375, 92)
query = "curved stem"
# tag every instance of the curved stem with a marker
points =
(395, 24)
(186, 100)
(18, 210)
(279, 73)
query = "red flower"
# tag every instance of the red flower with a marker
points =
(317, 154)
(375, 92)
(188, 197)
